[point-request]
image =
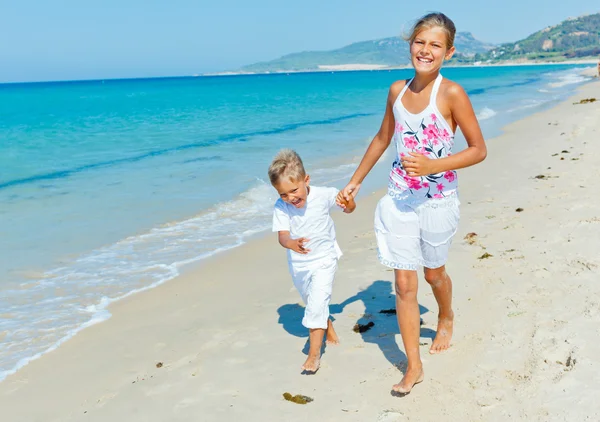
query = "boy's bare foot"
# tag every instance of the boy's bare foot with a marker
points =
(312, 364)
(411, 378)
(331, 337)
(441, 342)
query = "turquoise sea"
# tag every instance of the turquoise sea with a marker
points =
(111, 187)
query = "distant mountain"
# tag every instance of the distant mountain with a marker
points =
(391, 51)
(572, 38)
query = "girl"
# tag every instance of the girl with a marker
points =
(415, 221)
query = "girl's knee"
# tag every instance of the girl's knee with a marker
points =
(406, 285)
(435, 276)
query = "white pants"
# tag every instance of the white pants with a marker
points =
(314, 282)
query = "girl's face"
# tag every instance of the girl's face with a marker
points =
(428, 50)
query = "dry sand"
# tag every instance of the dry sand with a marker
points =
(224, 341)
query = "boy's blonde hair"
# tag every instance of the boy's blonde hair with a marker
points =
(287, 163)
(432, 20)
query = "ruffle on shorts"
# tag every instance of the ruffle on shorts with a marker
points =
(412, 233)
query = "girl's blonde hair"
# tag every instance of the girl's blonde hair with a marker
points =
(432, 20)
(286, 163)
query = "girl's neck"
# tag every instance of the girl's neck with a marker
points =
(421, 81)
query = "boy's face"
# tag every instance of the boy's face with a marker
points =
(293, 192)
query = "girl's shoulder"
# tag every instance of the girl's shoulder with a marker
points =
(451, 89)
(451, 95)
(396, 88)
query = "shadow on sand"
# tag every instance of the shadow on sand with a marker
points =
(377, 297)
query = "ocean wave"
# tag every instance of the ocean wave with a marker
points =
(483, 90)
(82, 289)
(568, 79)
(486, 113)
(527, 104)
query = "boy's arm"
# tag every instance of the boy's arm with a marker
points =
(281, 225)
(296, 245)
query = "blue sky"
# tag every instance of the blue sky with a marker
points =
(69, 39)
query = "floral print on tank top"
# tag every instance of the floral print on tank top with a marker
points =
(427, 137)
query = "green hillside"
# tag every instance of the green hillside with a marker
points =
(572, 38)
(391, 51)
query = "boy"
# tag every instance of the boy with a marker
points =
(301, 218)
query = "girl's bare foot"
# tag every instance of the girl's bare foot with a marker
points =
(441, 342)
(411, 378)
(312, 364)
(331, 337)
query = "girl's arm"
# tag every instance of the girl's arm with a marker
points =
(377, 146)
(464, 116)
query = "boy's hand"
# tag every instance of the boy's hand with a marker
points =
(299, 245)
(296, 245)
(341, 201)
(348, 205)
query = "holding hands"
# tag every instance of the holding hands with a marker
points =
(345, 197)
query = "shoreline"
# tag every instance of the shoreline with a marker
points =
(378, 68)
(172, 323)
(234, 73)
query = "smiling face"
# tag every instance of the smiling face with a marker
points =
(293, 192)
(429, 49)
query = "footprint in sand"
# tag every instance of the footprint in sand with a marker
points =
(160, 346)
(592, 308)
(187, 402)
(159, 390)
(487, 400)
(391, 416)
(217, 340)
(104, 399)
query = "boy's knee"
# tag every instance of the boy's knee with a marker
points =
(315, 317)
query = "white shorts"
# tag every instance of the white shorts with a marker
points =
(412, 234)
(314, 282)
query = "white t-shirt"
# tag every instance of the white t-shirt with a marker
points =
(312, 222)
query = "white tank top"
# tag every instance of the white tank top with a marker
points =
(427, 133)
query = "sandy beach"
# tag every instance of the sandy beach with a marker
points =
(224, 341)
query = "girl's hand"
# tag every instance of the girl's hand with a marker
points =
(347, 205)
(349, 192)
(417, 164)
(341, 201)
